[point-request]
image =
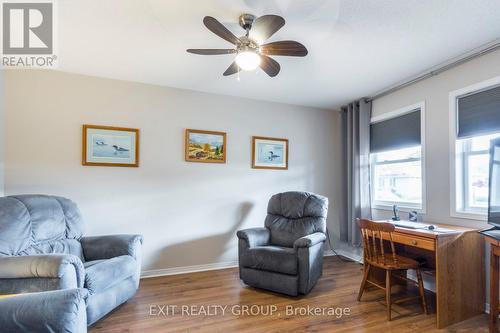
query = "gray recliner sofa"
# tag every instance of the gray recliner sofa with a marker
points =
(286, 256)
(42, 248)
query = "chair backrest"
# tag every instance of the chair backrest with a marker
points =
(292, 215)
(373, 241)
(39, 224)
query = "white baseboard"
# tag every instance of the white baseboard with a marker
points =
(187, 269)
(220, 265)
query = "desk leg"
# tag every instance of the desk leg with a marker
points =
(460, 278)
(493, 322)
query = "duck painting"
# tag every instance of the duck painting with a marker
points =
(272, 156)
(269, 153)
(119, 149)
(110, 146)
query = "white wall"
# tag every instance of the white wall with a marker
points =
(435, 93)
(187, 212)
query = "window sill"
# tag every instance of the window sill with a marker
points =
(469, 216)
(401, 208)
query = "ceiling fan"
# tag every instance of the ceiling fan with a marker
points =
(250, 53)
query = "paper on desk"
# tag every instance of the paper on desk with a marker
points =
(443, 230)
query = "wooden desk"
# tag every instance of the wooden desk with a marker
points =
(457, 260)
(494, 260)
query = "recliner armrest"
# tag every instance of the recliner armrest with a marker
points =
(50, 311)
(110, 246)
(255, 236)
(42, 266)
(309, 240)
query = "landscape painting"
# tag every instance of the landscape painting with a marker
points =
(269, 153)
(205, 146)
(110, 146)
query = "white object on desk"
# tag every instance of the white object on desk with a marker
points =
(420, 226)
(410, 225)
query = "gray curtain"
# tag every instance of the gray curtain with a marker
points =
(356, 133)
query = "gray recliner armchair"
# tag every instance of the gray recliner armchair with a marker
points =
(286, 256)
(42, 248)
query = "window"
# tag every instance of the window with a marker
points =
(396, 159)
(475, 120)
(472, 173)
(396, 177)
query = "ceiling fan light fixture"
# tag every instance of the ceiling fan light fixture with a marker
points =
(248, 60)
(249, 50)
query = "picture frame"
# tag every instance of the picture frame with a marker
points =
(110, 146)
(203, 146)
(269, 153)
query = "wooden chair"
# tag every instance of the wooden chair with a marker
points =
(376, 254)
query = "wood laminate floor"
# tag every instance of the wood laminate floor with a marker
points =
(217, 301)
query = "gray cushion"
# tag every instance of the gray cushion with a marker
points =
(32, 224)
(309, 240)
(295, 205)
(99, 304)
(292, 215)
(271, 258)
(60, 246)
(87, 264)
(103, 274)
(62, 266)
(281, 283)
(254, 236)
(109, 246)
(45, 312)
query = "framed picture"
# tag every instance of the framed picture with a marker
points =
(269, 153)
(110, 146)
(205, 146)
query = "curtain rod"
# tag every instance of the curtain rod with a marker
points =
(482, 50)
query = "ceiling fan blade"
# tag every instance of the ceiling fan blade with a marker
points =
(233, 69)
(269, 65)
(265, 26)
(211, 51)
(284, 48)
(217, 28)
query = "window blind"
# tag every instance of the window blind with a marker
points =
(479, 113)
(396, 133)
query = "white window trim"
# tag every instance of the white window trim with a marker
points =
(393, 114)
(453, 105)
(464, 157)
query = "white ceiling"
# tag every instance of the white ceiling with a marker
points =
(356, 47)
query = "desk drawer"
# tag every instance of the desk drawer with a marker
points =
(420, 242)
